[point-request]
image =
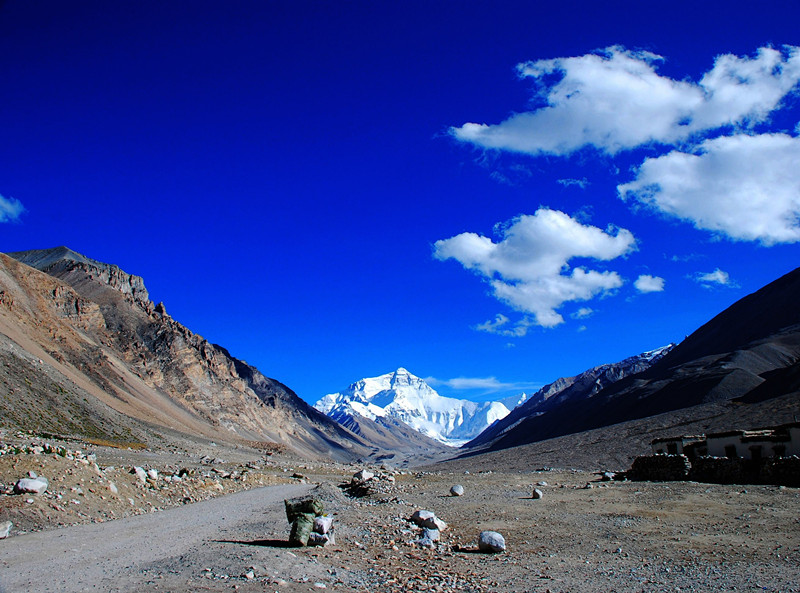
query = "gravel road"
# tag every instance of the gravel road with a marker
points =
(167, 550)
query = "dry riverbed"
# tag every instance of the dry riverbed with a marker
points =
(583, 535)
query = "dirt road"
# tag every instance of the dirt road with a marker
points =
(162, 550)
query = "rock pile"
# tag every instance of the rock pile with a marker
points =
(431, 527)
(309, 525)
(365, 482)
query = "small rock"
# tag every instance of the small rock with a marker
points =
(113, 488)
(140, 474)
(536, 494)
(491, 541)
(428, 519)
(31, 486)
(457, 490)
(5, 529)
(363, 476)
(152, 474)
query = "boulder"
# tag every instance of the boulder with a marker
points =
(536, 494)
(31, 485)
(428, 519)
(362, 476)
(457, 490)
(491, 542)
(152, 474)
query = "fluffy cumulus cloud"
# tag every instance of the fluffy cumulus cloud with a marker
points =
(528, 268)
(647, 283)
(615, 100)
(742, 187)
(10, 209)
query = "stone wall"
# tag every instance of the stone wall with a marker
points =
(659, 468)
(780, 471)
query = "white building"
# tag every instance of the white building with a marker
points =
(778, 441)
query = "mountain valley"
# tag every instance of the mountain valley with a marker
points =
(142, 426)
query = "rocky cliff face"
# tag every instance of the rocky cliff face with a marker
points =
(94, 326)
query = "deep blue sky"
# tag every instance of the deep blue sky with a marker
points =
(280, 174)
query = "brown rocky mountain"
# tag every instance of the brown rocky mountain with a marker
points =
(739, 370)
(568, 390)
(85, 353)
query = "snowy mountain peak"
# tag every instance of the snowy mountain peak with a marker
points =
(408, 398)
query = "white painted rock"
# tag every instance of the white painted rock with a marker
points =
(140, 473)
(491, 541)
(457, 490)
(31, 485)
(152, 474)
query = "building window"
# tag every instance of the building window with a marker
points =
(672, 448)
(755, 452)
(730, 452)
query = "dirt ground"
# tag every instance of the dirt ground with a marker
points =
(582, 535)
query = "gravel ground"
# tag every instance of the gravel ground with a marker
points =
(582, 536)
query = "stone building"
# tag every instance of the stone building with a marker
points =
(778, 441)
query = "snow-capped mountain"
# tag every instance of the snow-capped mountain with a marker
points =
(406, 397)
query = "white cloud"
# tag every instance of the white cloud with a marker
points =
(529, 267)
(485, 384)
(583, 313)
(500, 326)
(715, 277)
(744, 187)
(581, 183)
(10, 209)
(647, 283)
(615, 100)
